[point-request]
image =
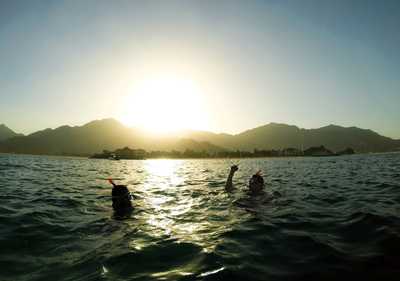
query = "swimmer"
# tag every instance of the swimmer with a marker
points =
(256, 182)
(121, 198)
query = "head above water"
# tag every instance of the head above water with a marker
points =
(121, 198)
(256, 183)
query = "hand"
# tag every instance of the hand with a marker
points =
(234, 168)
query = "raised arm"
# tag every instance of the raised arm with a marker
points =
(229, 183)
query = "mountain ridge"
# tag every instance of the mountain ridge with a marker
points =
(6, 133)
(111, 134)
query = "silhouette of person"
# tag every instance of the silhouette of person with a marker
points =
(256, 182)
(121, 198)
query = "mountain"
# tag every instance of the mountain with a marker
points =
(361, 140)
(106, 134)
(189, 144)
(6, 133)
(91, 137)
(110, 134)
(271, 136)
(280, 136)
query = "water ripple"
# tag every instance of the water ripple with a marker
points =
(321, 219)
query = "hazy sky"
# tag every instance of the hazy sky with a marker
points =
(307, 63)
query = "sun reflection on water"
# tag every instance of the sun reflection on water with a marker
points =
(171, 194)
(162, 170)
(167, 199)
(162, 167)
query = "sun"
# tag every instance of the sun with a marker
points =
(164, 105)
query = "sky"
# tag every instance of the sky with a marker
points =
(222, 66)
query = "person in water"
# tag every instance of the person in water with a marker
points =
(121, 198)
(256, 182)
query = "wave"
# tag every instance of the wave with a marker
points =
(56, 221)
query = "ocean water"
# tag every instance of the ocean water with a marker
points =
(336, 218)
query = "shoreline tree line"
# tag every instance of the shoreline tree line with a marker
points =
(128, 153)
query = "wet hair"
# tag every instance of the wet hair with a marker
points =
(257, 178)
(121, 198)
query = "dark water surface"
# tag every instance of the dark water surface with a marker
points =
(337, 218)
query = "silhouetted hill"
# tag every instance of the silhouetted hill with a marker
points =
(93, 137)
(110, 134)
(361, 140)
(189, 144)
(271, 136)
(6, 133)
(336, 138)
(280, 136)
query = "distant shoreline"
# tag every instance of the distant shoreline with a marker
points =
(138, 154)
(210, 158)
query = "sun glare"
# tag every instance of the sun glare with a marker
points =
(164, 105)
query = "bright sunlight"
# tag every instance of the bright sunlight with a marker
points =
(165, 104)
